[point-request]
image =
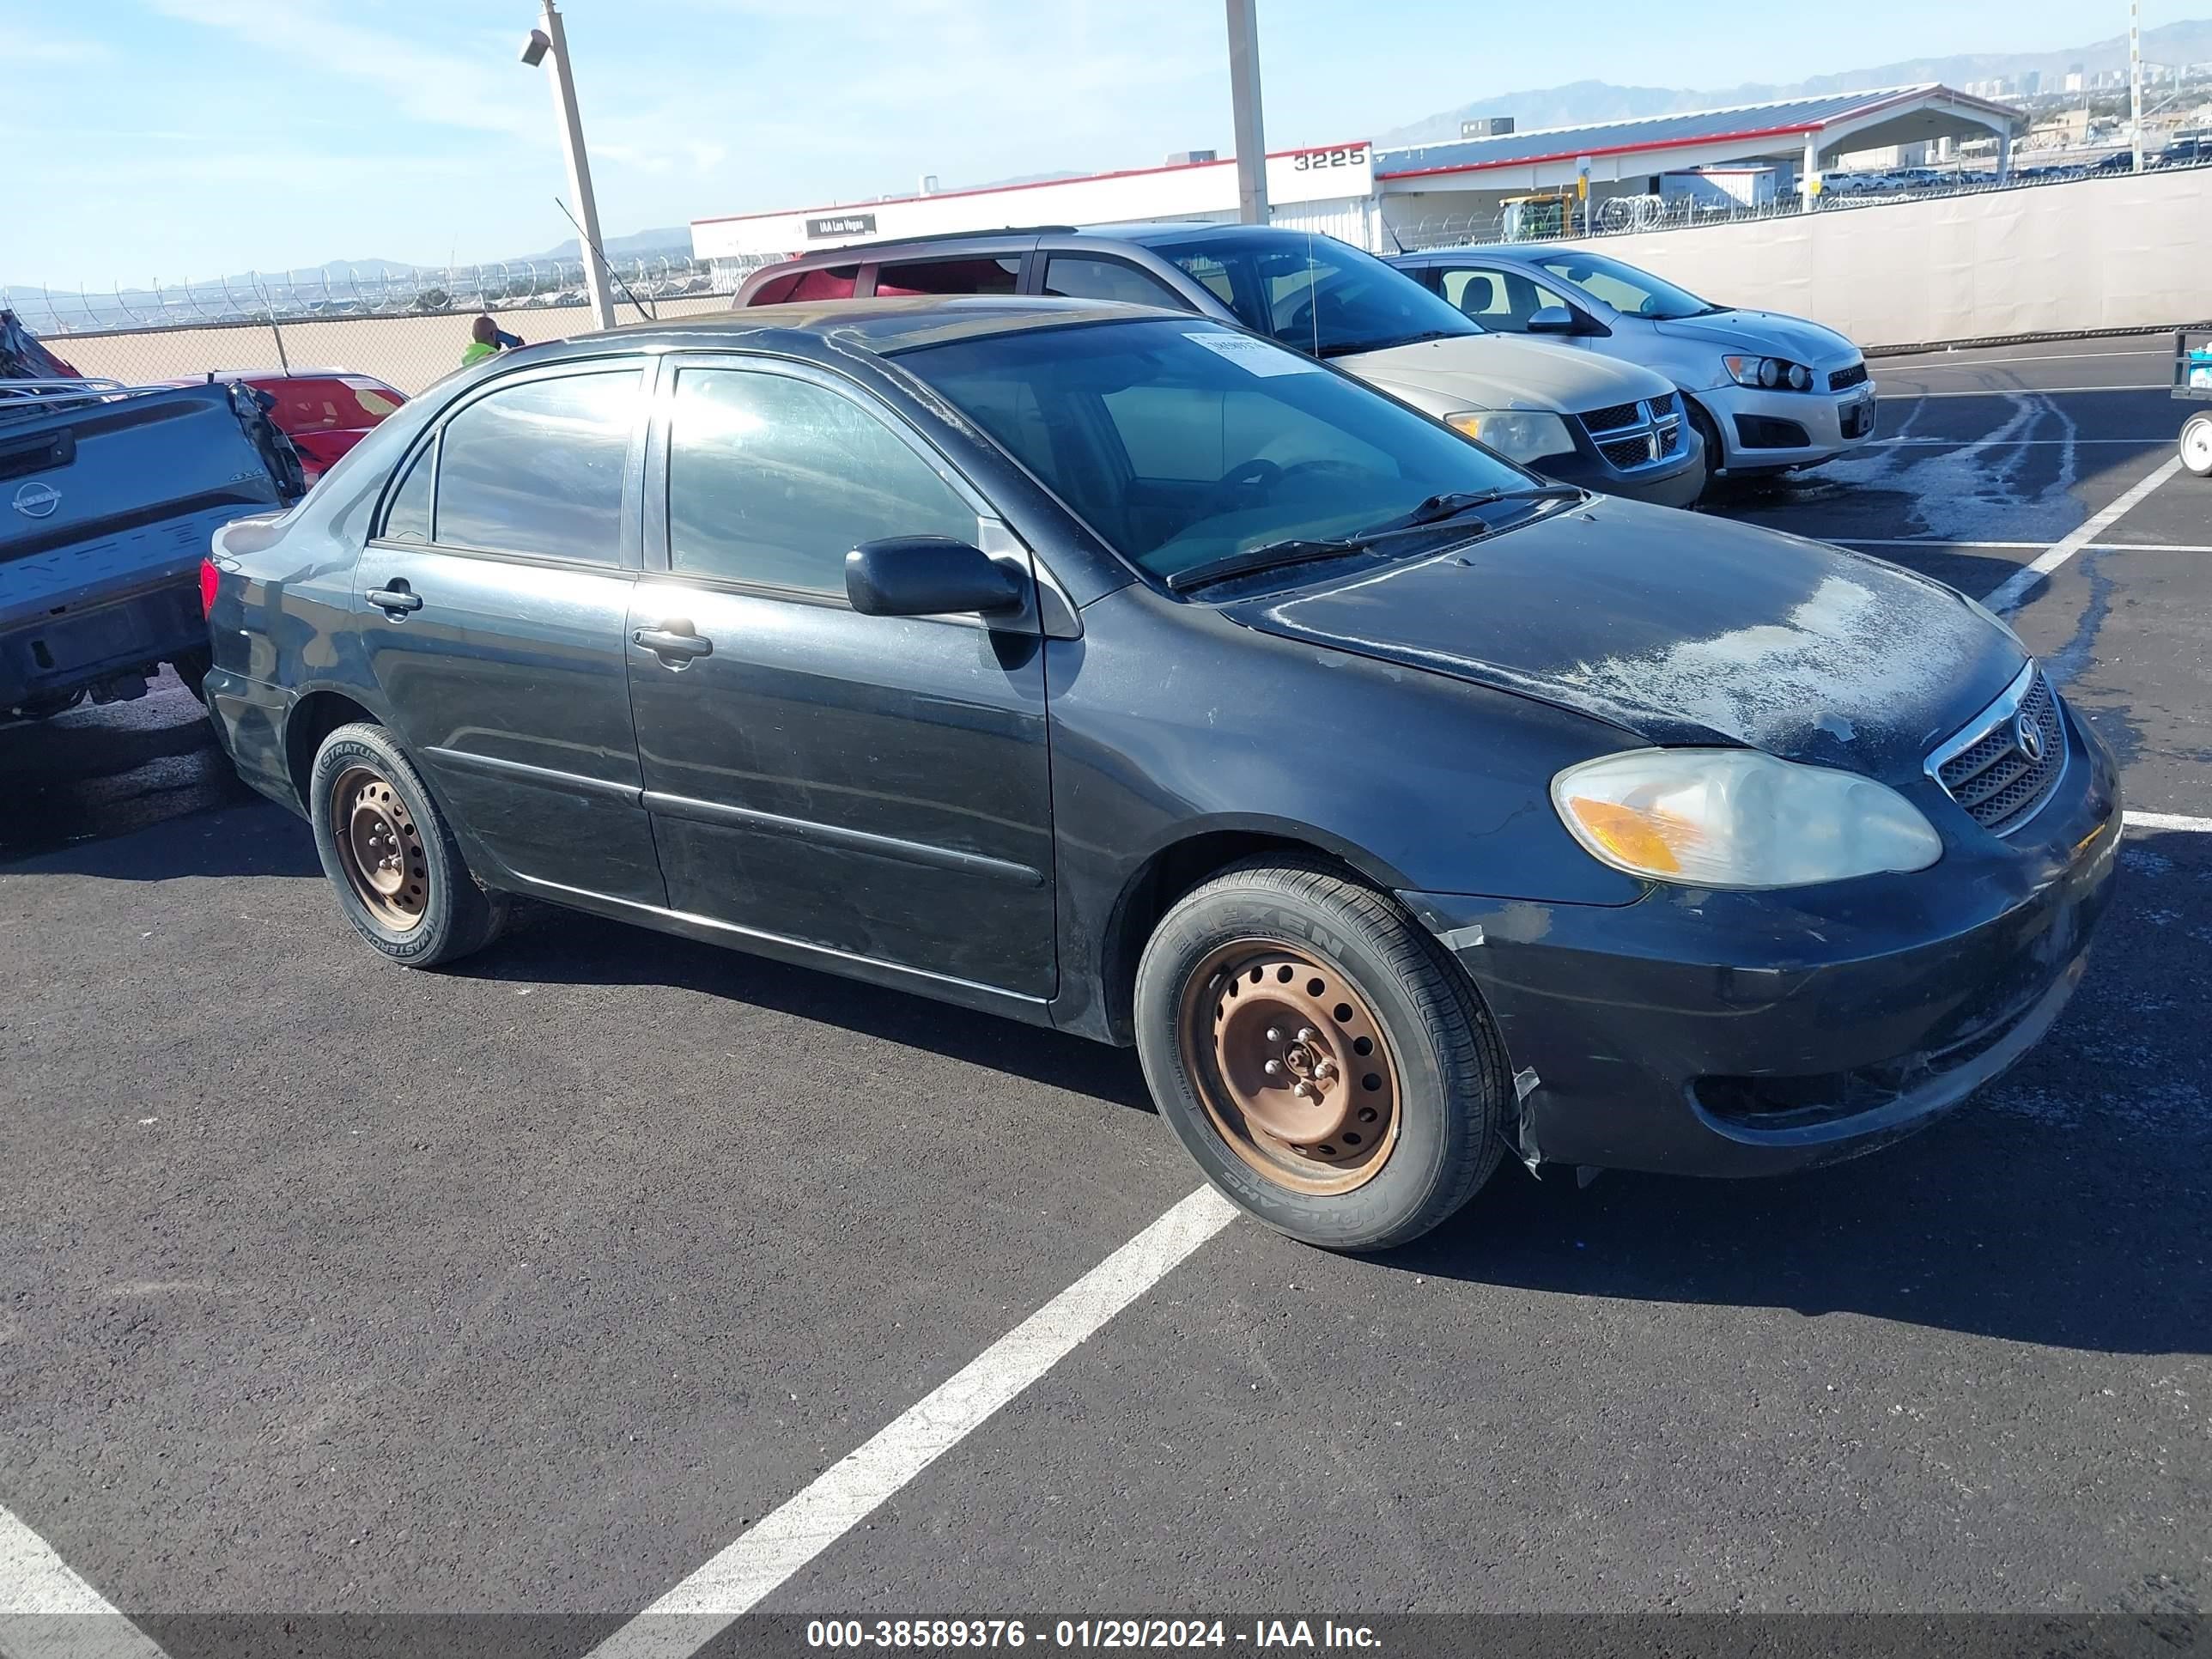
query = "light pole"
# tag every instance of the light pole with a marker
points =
(551, 42)
(1244, 109)
(2135, 81)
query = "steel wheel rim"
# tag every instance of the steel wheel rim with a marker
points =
(1299, 1082)
(2196, 445)
(380, 848)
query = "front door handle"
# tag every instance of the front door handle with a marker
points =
(396, 600)
(675, 644)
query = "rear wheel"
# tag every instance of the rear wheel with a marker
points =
(1709, 434)
(2196, 444)
(401, 879)
(1317, 1054)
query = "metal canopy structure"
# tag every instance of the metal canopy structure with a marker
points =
(1805, 132)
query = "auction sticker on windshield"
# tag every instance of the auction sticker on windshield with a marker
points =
(1254, 357)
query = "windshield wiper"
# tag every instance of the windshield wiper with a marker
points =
(1267, 556)
(1436, 510)
(1346, 347)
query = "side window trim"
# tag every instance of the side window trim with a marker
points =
(658, 561)
(430, 446)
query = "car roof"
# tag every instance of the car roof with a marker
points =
(881, 326)
(1146, 235)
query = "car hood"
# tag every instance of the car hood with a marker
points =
(1767, 332)
(1493, 371)
(1680, 628)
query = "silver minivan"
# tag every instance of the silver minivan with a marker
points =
(1767, 392)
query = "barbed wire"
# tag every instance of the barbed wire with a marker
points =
(1560, 219)
(344, 291)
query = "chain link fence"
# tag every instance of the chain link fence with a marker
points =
(1624, 215)
(407, 351)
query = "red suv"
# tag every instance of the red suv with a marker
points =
(324, 412)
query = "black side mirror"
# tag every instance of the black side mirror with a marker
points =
(927, 576)
(1550, 320)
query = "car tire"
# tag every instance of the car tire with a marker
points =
(2196, 444)
(1709, 434)
(387, 849)
(1276, 978)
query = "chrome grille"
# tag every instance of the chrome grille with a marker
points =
(1632, 435)
(2004, 766)
(1843, 380)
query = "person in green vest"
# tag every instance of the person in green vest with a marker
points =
(487, 338)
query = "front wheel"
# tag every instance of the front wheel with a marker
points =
(400, 878)
(1325, 1064)
(2196, 444)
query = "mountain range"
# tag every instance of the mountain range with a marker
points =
(1581, 101)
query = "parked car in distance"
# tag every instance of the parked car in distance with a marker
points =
(324, 412)
(108, 494)
(1610, 426)
(1768, 393)
(1132, 674)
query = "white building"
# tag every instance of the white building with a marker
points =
(1380, 199)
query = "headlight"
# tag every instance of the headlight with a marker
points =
(1517, 434)
(1734, 818)
(1769, 373)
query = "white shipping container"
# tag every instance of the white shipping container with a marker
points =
(1721, 186)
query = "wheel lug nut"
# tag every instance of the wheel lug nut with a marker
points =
(1305, 1034)
(1274, 1035)
(1274, 1068)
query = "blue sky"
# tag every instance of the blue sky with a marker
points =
(175, 138)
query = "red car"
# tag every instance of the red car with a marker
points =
(324, 412)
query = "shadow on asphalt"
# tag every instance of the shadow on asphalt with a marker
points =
(1980, 1226)
(546, 944)
(247, 836)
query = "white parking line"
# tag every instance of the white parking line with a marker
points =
(47, 1612)
(2091, 547)
(734, 1582)
(2167, 821)
(2023, 443)
(2017, 586)
(2166, 352)
(2004, 390)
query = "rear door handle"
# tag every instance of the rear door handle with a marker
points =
(397, 599)
(675, 644)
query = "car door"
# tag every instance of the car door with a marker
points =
(493, 602)
(873, 786)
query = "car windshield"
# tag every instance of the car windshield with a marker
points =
(1183, 442)
(1634, 293)
(1315, 293)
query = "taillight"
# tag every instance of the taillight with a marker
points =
(209, 577)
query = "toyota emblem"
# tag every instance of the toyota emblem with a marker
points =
(36, 500)
(2030, 737)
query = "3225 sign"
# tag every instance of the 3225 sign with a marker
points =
(1315, 160)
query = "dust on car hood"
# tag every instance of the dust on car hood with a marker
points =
(1681, 629)
(1767, 332)
(1493, 371)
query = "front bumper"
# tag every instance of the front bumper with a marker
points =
(1738, 1034)
(1834, 424)
(1676, 481)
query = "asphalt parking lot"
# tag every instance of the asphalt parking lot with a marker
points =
(537, 1286)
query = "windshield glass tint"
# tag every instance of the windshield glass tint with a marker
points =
(1181, 442)
(1315, 293)
(1637, 293)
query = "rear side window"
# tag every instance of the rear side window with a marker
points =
(408, 518)
(950, 276)
(1080, 278)
(823, 283)
(538, 468)
(772, 480)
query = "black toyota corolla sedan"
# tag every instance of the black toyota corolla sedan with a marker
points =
(1136, 676)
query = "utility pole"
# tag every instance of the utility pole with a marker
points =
(1244, 106)
(2135, 81)
(551, 41)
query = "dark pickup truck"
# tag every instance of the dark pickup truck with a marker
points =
(108, 496)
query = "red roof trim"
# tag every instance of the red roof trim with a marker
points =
(1040, 184)
(1794, 129)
